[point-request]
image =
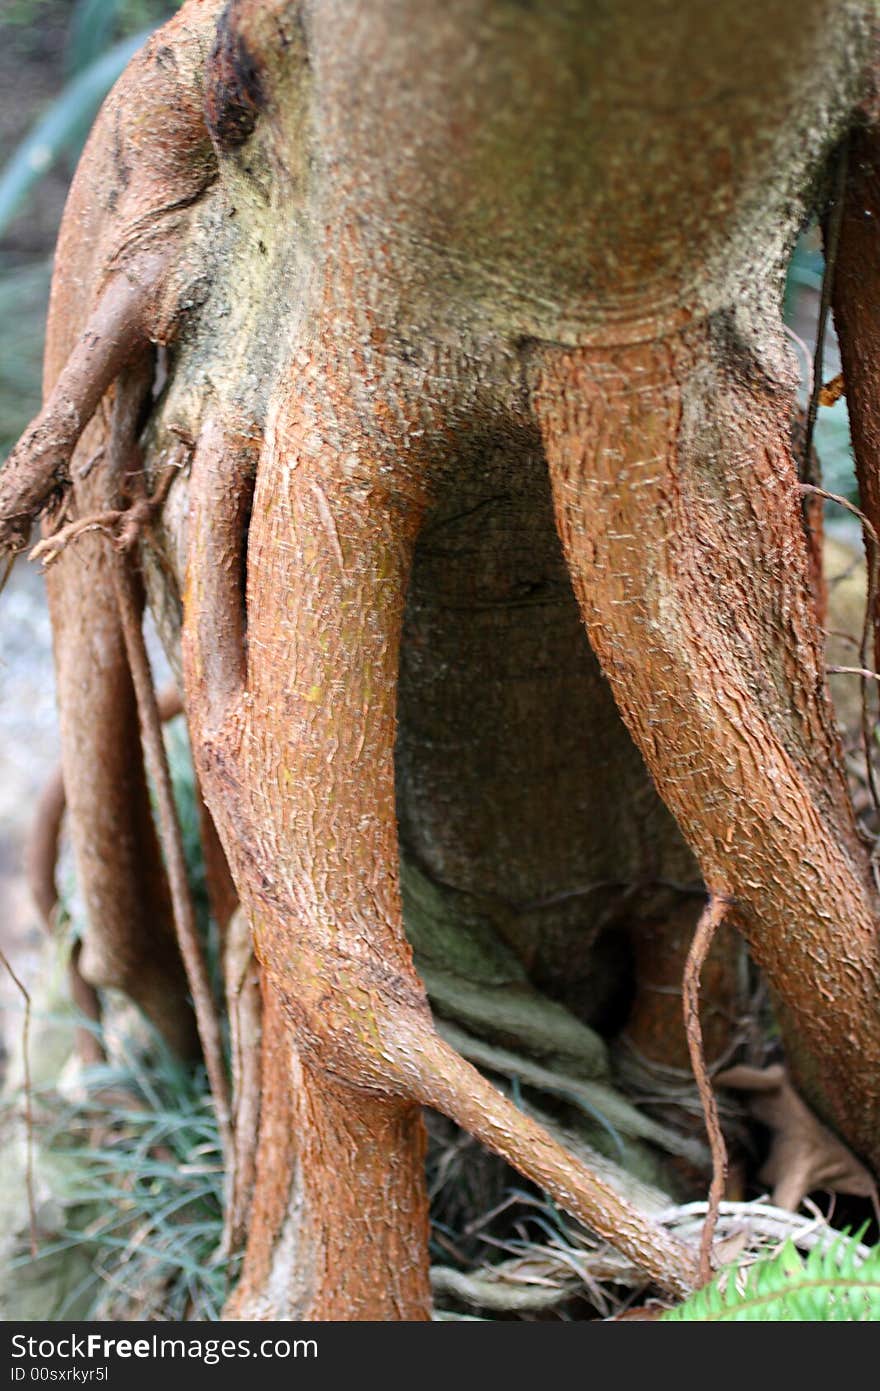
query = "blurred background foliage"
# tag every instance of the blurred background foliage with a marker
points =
(57, 61)
(832, 438)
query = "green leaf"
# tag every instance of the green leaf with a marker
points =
(834, 1283)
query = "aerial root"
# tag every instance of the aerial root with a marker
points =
(123, 526)
(449, 1084)
(710, 920)
(117, 332)
(207, 1020)
(866, 669)
(41, 859)
(242, 975)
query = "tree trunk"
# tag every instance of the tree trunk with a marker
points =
(339, 1198)
(416, 267)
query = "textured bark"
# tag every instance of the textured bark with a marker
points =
(339, 1197)
(407, 260)
(672, 516)
(42, 860)
(129, 941)
(242, 980)
(519, 791)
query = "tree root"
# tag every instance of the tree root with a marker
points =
(125, 527)
(674, 510)
(38, 469)
(358, 1013)
(41, 860)
(242, 976)
(598, 1101)
(710, 920)
(118, 286)
(184, 912)
(540, 1277)
(676, 496)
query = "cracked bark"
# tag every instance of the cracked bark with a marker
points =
(378, 348)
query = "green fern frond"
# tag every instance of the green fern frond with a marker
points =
(836, 1283)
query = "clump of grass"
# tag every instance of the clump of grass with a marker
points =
(143, 1192)
(135, 1144)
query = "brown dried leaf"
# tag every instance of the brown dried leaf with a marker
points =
(804, 1154)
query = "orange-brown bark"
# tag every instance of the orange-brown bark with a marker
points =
(137, 177)
(340, 1217)
(389, 314)
(129, 941)
(673, 517)
(311, 839)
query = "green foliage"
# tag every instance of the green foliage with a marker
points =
(833, 1283)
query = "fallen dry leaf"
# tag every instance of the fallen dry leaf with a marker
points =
(804, 1154)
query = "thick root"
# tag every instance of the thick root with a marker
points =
(679, 511)
(312, 846)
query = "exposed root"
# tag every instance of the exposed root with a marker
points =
(362, 1031)
(242, 975)
(852, 237)
(451, 1085)
(542, 1276)
(222, 893)
(41, 853)
(221, 495)
(169, 826)
(738, 735)
(709, 922)
(866, 671)
(117, 332)
(124, 526)
(599, 1101)
(832, 244)
(41, 859)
